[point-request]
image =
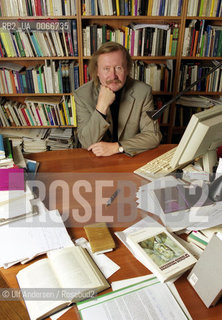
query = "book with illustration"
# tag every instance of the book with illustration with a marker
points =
(160, 252)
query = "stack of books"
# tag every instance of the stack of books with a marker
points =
(6, 159)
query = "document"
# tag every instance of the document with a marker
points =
(146, 300)
(24, 239)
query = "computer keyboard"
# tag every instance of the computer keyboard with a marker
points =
(157, 167)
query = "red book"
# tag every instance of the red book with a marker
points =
(38, 8)
(85, 73)
(25, 116)
(37, 111)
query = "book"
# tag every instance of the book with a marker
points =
(160, 252)
(2, 149)
(67, 268)
(206, 276)
(99, 237)
(198, 239)
(31, 165)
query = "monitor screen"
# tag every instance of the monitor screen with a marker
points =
(201, 138)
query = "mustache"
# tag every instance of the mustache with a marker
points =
(113, 81)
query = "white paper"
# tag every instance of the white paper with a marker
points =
(106, 265)
(116, 285)
(24, 239)
(145, 300)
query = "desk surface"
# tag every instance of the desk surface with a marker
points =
(82, 162)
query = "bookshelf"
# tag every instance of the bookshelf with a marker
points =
(85, 16)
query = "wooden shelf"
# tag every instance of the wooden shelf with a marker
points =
(118, 22)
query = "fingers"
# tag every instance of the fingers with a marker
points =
(95, 148)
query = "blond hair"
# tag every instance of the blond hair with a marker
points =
(107, 47)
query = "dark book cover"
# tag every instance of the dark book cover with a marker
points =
(170, 200)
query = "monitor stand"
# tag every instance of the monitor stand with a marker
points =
(209, 160)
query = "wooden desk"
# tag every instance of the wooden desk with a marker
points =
(57, 164)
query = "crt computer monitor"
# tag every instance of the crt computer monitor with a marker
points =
(201, 139)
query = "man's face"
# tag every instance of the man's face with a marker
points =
(112, 70)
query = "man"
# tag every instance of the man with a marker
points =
(111, 108)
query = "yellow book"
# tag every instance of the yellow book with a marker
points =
(99, 237)
(133, 8)
(65, 113)
(170, 44)
(5, 39)
(61, 116)
(126, 29)
(51, 8)
(212, 8)
(73, 104)
(150, 7)
(117, 8)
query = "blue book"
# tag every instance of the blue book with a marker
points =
(76, 76)
(21, 83)
(36, 45)
(74, 38)
(216, 42)
(218, 8)
(179, 8)
(2, 149)
(208, 41)
(126, 8)
(24, 83)
(93, 8)
(31, 165)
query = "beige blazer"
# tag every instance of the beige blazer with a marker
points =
(136, 131)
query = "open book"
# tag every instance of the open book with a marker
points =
(68, 275)
(160, 252)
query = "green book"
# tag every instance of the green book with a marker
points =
(219, 49)
(41, 80)
(29, 116)
(19, 43)
(8, 148)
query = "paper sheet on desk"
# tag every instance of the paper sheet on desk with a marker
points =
(116, 285)
(147, 299)
(24, 239)
(203, 218)
(106, 265)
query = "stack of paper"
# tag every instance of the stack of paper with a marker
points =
(175, 213)
(60, 139)
(34, 145)
(15, 204)
(24, 239)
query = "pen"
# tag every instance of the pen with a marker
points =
(114, 195)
